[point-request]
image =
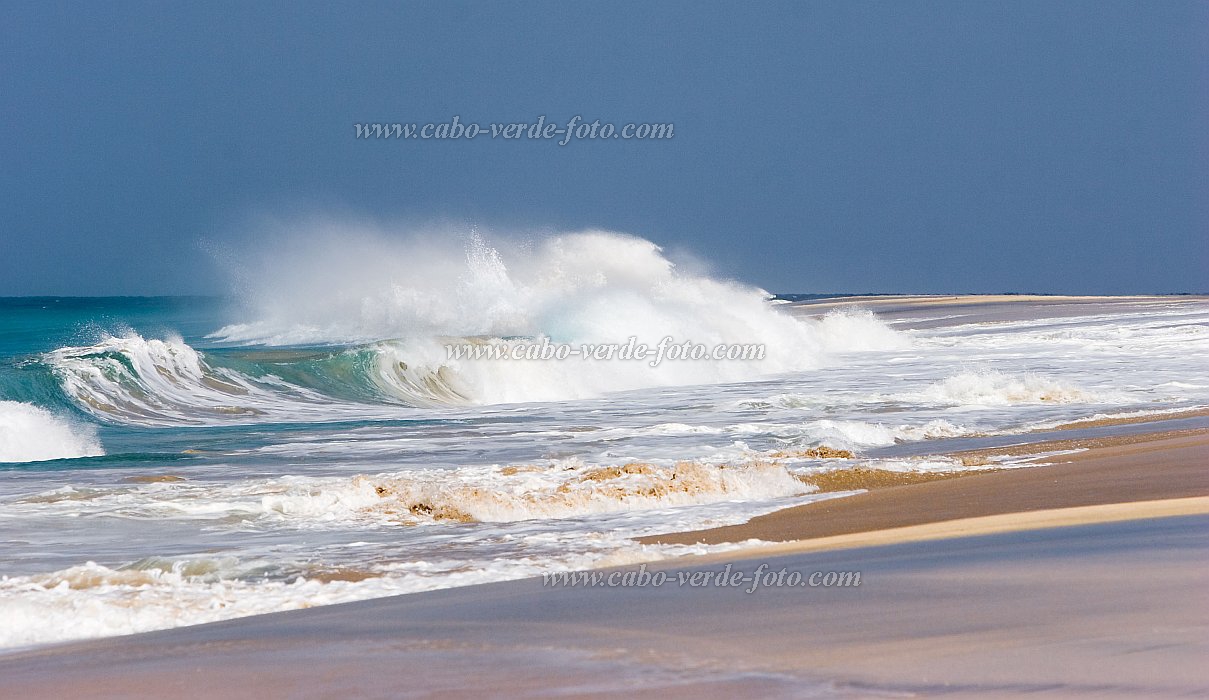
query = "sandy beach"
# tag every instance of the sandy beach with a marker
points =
(1061, 559)
(474, 350)
(1080, 578)
(1134, 468)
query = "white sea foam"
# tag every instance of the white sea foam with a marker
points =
(854, 434)
(29, 433)
(464, 494)
(994, 388)
(91, 600)
(407, 302)
(856, 331)
(149, 381)
(543, 494)
(589, 287)
(338, 285)
(420, 372)
(558, 490)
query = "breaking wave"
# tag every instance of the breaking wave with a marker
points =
(92, 600)
(495, 494)
(141, 381)
(535, 492)
(29, 433)
(353, 287)
(993, 388)
(376, 317)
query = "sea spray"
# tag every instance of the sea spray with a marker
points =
(30, 434)
(414, 295)
(379, 312)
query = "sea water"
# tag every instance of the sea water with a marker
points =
(308, 440)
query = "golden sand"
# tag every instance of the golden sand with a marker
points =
(984, 525)
(820, 452)
(866, 479)
(1111, 470)
(153, 479)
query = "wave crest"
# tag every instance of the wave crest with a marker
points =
(516, 493)
(382, 312)
(29, 433)
(136, 380)
(994, 388)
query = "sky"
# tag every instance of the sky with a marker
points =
(913, 147)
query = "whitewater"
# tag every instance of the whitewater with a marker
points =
(308, 440)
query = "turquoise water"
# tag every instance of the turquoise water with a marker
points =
(32, 326)
(168, 461)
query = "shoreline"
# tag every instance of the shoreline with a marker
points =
(525, 638)
(1131, 468)
(978, 526)
(994, 615)
(975, 583)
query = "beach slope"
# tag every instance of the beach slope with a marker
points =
(1092, 586)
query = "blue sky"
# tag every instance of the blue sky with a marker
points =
(839, 146)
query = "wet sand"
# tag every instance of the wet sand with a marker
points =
(1084, 578)
(1117, 421)
(1103, 610)
(1114, 470)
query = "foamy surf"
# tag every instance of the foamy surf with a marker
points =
(358, 286)
(493, 494)
(143, 381)
(588, 287)
(323, 447)
(994, 388)
(32, 434)
(381, 335)
(91, 600)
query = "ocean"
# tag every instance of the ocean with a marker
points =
(169, 461)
